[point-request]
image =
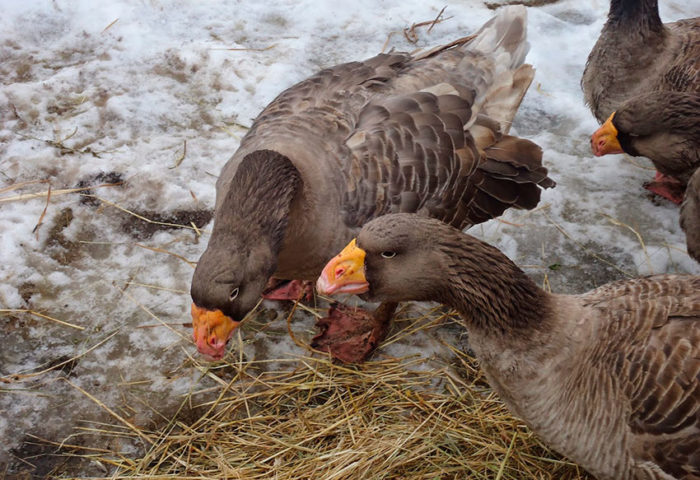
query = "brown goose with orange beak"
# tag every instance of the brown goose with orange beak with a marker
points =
(642, 79)
(610, 378)
(395, 133)
(664, 127)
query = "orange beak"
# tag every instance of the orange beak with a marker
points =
(604, 140)
(345, 273)
(212, 330)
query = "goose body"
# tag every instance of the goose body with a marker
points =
(664, 127)
(422, 133)
(690, 215)
(636, 54)
(642, 81)
(610, 378)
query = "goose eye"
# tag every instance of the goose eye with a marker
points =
(234, 294)
(388, 254)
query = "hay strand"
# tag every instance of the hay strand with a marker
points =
(181, 157)
(381, 420)
(43, 213)
(636, 233)
(54, 193)
(141, 217)
(40, 315)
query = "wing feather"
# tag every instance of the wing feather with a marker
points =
(658, 367)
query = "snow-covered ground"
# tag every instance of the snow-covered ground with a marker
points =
(154, 96)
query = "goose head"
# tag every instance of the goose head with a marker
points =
(227, 284)
(605, 140)
(394, 258)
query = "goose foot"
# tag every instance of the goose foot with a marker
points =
(288, 290)
(352, 334)
(666, 187)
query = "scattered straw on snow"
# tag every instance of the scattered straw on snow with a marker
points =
(313, 418)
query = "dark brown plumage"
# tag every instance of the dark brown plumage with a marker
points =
(609, 378)
(643, 76)
(690, 216)
(637, 54)
(422, 133)
(664, 127)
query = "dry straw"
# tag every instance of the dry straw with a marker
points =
(311, 418)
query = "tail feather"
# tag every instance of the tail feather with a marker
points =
(516, 152)
(511, 175)
(487, 67)
(502, 102)
(504, 34)
(503, 40)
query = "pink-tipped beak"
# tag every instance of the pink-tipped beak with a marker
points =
(344, 273)
(604, 140)
(211, 331)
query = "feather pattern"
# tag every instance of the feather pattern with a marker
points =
(422, 133)
(664, 127)
(610, 378)
(648, 74)
(637, 54)
(394, 134)
(690, 215)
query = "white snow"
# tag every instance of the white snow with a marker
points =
(119, 88)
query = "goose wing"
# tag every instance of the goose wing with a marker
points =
(657, 362)
(431, 153)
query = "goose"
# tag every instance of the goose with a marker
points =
(642, 79)
(609, 378)
(664, 127)
(690, 216)
(399, 132)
